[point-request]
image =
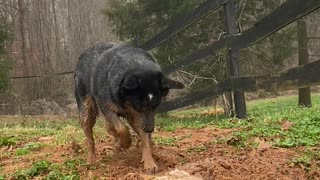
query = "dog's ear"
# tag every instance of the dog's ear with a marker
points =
(171, 84)
(130, 83)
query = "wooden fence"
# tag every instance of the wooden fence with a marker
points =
(299, 77)
(289, 11)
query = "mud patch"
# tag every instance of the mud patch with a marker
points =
(228, 163)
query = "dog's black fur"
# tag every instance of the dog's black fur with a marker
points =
(120, 80)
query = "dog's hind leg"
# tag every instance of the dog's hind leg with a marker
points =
(88, 117)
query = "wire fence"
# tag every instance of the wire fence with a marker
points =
(39, 94)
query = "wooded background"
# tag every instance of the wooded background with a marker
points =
(49, 36)
(45, 37)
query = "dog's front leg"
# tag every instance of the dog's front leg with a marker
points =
(147, 158)
(146, 142)
(119, 130)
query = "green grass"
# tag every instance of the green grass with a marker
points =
(167, 141)
(7, 141)
(267, 107)
(190, 112)
(264, 120)
(306, 158)
(196, 149)
(48, 171)
(37, 168)
(172, 123)
(266, 117)
(3, 177)
(64, 130)
(27, 149)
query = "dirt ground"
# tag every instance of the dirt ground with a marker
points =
(194, 153)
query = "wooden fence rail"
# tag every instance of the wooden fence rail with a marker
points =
(286, 13)
(294, 78)
(183, 22)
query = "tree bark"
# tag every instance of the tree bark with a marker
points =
(56, 29)
(22, 8)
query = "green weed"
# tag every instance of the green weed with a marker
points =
(38, 168)
(58, 175)
(172, 123)
(305, 129)
(196, 149)
(27, 149)
(264, 120)
(22, 151)
(7, 141)
(73, 163)
(20, 175)
(167, 141)
(305, 160)
(50, 171)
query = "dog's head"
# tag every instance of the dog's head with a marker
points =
(142, 92)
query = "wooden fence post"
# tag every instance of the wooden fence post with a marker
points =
(233, 56)
(304, 93)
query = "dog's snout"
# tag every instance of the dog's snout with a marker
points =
(148, 123)
(148, 129)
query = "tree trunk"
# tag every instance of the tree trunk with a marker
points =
(56, 30)
(22, 8)
(304, 93)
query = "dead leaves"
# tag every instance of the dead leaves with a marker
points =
(212, 111)
(285, 125)
(207, 112)
(263, 145)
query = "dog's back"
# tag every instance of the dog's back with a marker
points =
(101, 68)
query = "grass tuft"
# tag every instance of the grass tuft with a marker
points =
(196, 149)
(7, 141)
(27, 149)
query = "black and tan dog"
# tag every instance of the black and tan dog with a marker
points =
(121, 81)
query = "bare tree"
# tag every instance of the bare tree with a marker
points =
(50, 35)
(23, 33)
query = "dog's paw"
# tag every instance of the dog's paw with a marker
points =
(91, 159)
(124, 139)
(121, 146)
(150, 167)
